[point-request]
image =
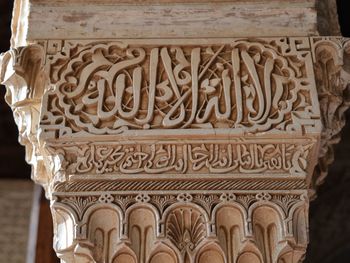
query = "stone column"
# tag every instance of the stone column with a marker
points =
(178, 132)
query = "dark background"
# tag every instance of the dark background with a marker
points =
(329, 213)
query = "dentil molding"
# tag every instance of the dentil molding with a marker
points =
(179, 150)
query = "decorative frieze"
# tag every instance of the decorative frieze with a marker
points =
(180, 184)
(183, 227)
(176, 157)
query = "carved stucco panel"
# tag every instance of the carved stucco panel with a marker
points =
(116, 88)
(189, 226)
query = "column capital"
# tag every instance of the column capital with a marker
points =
(179, 150)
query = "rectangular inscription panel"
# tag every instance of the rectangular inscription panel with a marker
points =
(234, 158)
(176, 87)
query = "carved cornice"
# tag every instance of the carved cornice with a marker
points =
(187, 133)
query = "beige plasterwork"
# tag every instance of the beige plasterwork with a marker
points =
(179, 150)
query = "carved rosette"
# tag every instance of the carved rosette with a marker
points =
(179, 151)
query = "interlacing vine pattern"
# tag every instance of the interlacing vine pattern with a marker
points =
(114, 87)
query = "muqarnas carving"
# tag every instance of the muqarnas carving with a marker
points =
(203, 228)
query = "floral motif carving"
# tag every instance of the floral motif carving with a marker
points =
(80, 204)
(185, 228)
(105, 199)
